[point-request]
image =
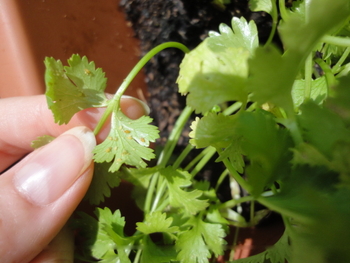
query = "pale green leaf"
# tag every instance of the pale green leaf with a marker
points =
(319, 91)
(198, 243)
(41, 141)
(180, 198)
(127, 142)
(156, 222)
(70, 90)
(101, 184)
(153, 253)
(210, 75)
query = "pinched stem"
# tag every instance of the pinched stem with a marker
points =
(114, 104)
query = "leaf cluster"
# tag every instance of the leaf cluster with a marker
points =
(276, 117)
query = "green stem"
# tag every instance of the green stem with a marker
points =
(174, 137)
(204, 160)
(236, 175)
(283, 10)
(115, 102)
(274, 16)
(182, 156)
(308, 77)
(328, 73)
(150, 192)
(338, 41)
(337, 66)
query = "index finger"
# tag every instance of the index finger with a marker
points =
(23, 119)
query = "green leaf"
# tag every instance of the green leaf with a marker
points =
(267, 147)
(127, 142)
(339, 99)
(101, 184)
(321, 127)
(261, 5)
(215, 130)
(156, 222)
(242, 35)
(280, 252)
(96, 240)
(320, 18)
(41, 141)
(271, 77)
(153, 253)
(210, 75)
(196, 244)
(74, 88)
(218, 130)
(319, 91)
(189, 201)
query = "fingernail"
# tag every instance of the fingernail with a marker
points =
(146, 109)
(50, 171)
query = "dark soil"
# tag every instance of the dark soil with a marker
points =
(185, 21)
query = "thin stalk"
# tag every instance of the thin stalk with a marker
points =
(252, 210)
(236, 175)
(207, 150)
(174, 136)
(221, 179)
(274, 17)
(234, 107)
(283, 10)
(234, 202)
(115, 101)
(308, 77)
(150, 192)
(327, 71)
(182, 156)
(204, 160)
(337, 66)
(338, 41)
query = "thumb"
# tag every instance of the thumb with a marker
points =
(39, 194)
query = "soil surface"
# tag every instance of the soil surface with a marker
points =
(188, 22)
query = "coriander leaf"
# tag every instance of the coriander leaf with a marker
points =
(72, 89)
(320, 17)
(262, 5)
(266, 146)
(319, 91)
(339, 99)
(213, 130)
(218, 130)
(101, 184)
(156, 222)
(189, 201)
(209, 74)
(153, 253)
(41, 141)
(271, 77)
(307, 154)
(242, 35)
(196, 244)
(278, 253)
(96, 240)
(127, 142)
(321, 127)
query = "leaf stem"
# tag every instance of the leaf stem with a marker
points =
(308, 77)
(174, 136)
(335, 40)
(274, 16)
(337, 66)
(283, 10)
(115, 101)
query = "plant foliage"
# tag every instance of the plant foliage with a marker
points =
(278, 119)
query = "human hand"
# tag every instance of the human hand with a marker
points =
(39, 193)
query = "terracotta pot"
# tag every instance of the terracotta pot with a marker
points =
(32, 30)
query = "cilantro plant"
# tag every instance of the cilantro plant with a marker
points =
(276, 116)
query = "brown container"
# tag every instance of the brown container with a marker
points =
(30, 30)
